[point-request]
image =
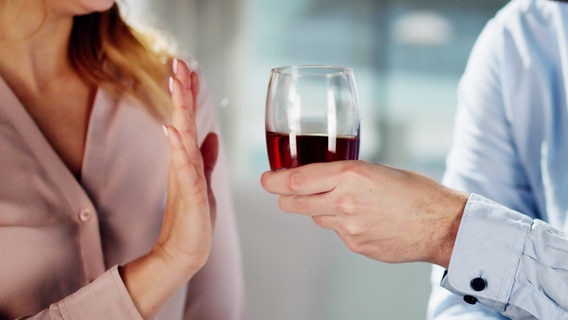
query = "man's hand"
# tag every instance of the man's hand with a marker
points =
(384, 213)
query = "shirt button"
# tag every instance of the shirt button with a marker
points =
(85, 215)
(478, 284)
(470, 299)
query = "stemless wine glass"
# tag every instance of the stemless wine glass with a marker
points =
(312, 115)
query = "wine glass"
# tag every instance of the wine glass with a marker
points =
(312, 115)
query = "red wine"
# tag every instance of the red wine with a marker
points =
(286, 151)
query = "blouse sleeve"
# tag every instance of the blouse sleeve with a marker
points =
(104, 298)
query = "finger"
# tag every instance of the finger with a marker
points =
(182, 102)
(189, 80)
(185, 97)
(318, 204)
(183, 120)
(304, 180)
(190, 182)
(326, 222)
(212, 207)
(195, 86)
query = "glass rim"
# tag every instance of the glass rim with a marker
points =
(299, 69)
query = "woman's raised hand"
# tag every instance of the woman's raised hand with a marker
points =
(184, 242)
(189, 217)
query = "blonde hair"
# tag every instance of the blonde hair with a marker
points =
(113, 55)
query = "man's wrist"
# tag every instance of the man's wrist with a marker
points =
(454, 212)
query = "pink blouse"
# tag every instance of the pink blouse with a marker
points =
(61, 239)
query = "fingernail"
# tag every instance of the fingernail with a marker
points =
(175, 66)
(171, 84)
(165, 129)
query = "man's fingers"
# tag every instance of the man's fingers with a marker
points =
(326, 221)
(309, 179)
(317, 204)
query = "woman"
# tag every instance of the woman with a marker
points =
(94, 221)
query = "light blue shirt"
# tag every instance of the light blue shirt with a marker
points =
(511, 146)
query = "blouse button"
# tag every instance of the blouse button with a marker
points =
(85, 215)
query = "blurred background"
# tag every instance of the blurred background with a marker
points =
(407, 56)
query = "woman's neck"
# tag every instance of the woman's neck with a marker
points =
(33, 44)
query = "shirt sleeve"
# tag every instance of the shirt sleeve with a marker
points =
(481, 155)
(104, 298)
(509, 262)
(484, 160)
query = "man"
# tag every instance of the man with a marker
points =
(507, 258)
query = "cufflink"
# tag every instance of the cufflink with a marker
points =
(478, 284)
(470, 299)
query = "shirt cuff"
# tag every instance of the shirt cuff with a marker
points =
(104, 298)
(487, 252)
